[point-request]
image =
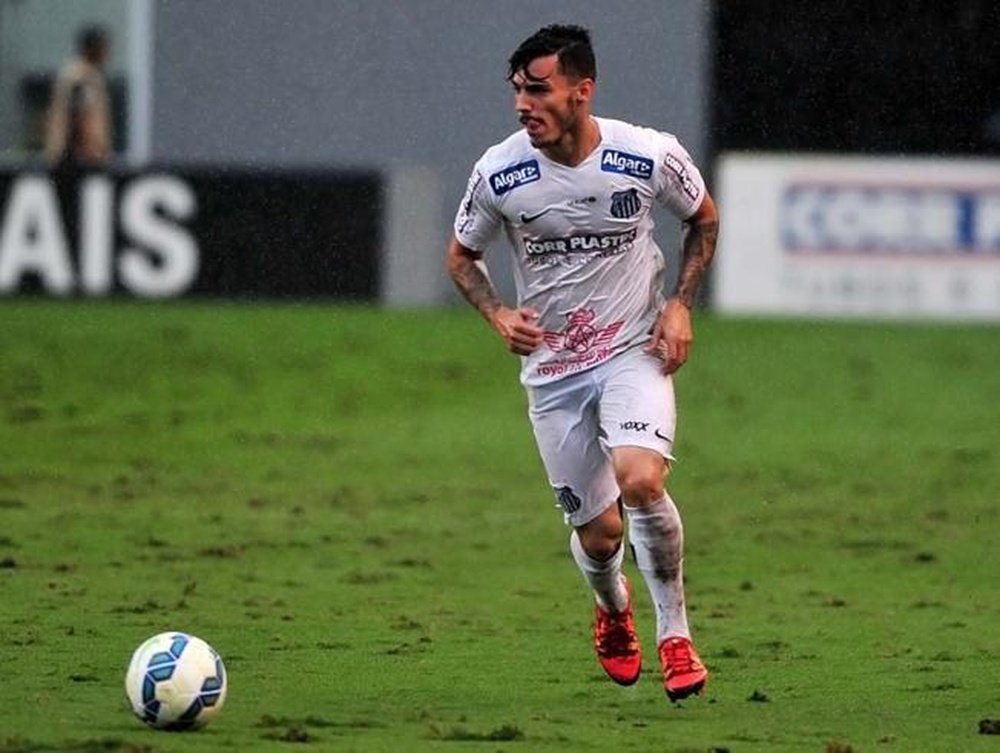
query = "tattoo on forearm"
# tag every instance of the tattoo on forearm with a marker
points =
(475, 285)
(697, 250)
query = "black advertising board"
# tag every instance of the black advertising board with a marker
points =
(168, 233)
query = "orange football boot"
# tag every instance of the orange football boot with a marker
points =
(683, 672)
(617, 644)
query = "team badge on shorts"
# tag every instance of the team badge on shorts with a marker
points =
(625, 203)
(567, 499)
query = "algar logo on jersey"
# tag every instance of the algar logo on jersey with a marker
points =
(614, 161)
(516, 175)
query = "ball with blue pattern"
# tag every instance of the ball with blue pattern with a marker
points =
(176, 681)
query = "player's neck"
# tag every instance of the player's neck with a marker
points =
(576, 145)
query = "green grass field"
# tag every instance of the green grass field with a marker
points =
(347, 504)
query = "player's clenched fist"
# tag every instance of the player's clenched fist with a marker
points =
(672, 336)
(518, 329)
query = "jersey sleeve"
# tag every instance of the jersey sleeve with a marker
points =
(680, 187)
(478, 219)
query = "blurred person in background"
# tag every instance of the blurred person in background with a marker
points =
(575, 194)
(78, 126)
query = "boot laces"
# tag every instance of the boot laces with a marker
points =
(679, 657)
(614, 636)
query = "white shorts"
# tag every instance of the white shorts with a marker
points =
(626, 401)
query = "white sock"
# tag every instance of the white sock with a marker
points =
(603, 576)
(657, 538)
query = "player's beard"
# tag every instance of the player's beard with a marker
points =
(565, 124)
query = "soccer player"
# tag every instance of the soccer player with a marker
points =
(574, 194)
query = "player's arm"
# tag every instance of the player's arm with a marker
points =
(516, 326)
(672, 333)
(701, 231)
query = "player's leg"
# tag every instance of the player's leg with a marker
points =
(598, 551)
(564, 419)
(656, 534)
(639, 417)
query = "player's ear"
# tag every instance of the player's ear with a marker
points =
(585, 90)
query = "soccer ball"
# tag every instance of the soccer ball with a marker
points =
(175, 682)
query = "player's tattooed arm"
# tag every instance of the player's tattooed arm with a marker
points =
(518, 327)
(672, 334)
(469, 275)
(697, 249)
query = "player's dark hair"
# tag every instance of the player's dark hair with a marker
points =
(570, 44)
(91, 38)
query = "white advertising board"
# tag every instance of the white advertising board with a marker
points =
(852, 236)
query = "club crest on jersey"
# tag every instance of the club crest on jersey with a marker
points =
(516, 175)
(625, 203)
(580, 335)
(614, 161)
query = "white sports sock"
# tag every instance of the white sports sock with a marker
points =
(657, 537)
(603, 576)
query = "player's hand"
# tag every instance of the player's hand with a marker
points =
(518, 329)
(672, 336)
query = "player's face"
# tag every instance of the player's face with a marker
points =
(548, 103)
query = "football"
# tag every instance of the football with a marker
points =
(176, 681)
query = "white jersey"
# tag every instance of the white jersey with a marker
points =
(582, 238)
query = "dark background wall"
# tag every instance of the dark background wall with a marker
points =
(921, 77)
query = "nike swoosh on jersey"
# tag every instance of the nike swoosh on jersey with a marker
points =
(661, 436)
(526, 218)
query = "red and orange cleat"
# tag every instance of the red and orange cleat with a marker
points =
(617, 644)
(683, 672)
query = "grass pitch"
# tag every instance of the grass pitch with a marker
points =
(347, 504)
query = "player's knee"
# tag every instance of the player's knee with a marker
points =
(601, 537)
(639, 473)
(640, 486)
(601, 546)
